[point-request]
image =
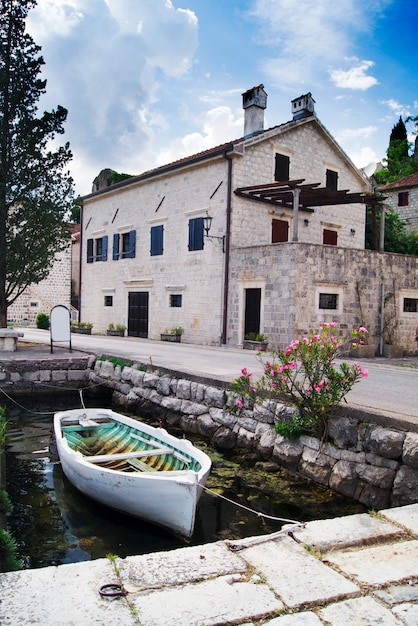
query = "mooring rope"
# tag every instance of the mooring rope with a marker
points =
(246, 508)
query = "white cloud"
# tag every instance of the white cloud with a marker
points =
(306, 35)
(219, 126)
(354, 78)
(104, 60)
(397, 107)
(350, 134)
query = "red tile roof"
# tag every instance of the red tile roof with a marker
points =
(408, 181)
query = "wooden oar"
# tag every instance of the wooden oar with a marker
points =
(100, 458)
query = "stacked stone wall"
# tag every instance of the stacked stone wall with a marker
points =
(409, 214)
(291, 276)
(370, 462)
(41, 297)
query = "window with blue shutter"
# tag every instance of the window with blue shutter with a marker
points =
(196, 234)
(157, 239)
(90, 255)
(104, 249)
(116, 246)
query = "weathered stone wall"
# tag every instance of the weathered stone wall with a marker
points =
(291, 276)
(374, 464)
(409, 214)
(47, 376)
(40, 298)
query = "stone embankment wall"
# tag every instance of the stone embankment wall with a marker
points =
(46, 376)
(374, 464)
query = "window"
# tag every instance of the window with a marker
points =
(329, 237)
(410, 305)
(124, 245)
(108, 300)
(279, 231)
(157, 239)
(176, 300)
(331, 180)
(403, 198)
(282, 167)
(328, 301)
(97, 249)
(196, 234)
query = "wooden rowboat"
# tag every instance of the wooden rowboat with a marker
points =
(132, 467)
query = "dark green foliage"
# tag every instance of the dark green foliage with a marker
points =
(398, 163)
(115, 177)
(397, 238)
(8, 549)
(35, 189)
(115, 361)
(42, 321)
(5, 502)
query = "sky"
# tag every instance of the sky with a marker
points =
(147, 82)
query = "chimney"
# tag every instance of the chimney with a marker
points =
(304, 106)
(254, 101)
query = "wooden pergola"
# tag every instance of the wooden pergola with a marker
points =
(297, 195)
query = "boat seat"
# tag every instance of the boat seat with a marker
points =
(140, 465)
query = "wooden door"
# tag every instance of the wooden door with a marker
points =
(138, 314)
(252, 311)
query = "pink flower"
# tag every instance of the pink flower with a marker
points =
(363, 329)
(365, 373)
(239, 403)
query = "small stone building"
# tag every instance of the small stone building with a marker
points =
(264, 234)
(402, 197)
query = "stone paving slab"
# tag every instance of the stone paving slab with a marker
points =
(179, 566)
(57, 596)
(358, 612)
(209, 603)
(378, 565)
(406, 516)
(296, 576)
(344, 532)
(306, 618)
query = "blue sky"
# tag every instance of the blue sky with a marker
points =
(150, 81)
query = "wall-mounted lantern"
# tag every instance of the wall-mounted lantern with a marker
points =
(207, 224)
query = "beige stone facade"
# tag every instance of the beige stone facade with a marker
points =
(402, 197)
(274, 288)
(40, 298)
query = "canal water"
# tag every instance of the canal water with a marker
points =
(53, 523)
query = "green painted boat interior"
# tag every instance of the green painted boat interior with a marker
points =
(114, 438)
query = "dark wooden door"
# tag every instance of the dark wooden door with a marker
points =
(252, 311)
(138, 314)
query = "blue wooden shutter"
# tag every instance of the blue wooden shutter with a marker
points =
(104, 248)
(132, 240)
(196, 234)
(90, 255)
(157, 234)
(116, 239)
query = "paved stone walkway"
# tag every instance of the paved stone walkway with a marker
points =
(360, 570)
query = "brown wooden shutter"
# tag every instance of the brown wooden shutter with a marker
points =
(330, 237)
(279, 231)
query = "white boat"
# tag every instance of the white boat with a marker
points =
(132, 467)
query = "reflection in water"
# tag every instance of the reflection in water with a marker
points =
(53, 523)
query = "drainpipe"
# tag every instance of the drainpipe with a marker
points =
(296, 194)
(227, 249)
(382, 229)
(81, 259)
(382, 314)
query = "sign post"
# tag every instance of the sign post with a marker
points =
(60, 325)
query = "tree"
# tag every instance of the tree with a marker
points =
(36, 191)
(397, 238)
(398, 163)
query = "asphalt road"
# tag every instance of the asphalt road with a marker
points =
(391, 386)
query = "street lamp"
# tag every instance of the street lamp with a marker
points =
(207, 225)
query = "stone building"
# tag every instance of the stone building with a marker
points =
(263, 234)
(41, 297)
(402, 197)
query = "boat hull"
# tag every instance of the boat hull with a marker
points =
(165, 498)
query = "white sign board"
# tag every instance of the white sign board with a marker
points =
(60, 324)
